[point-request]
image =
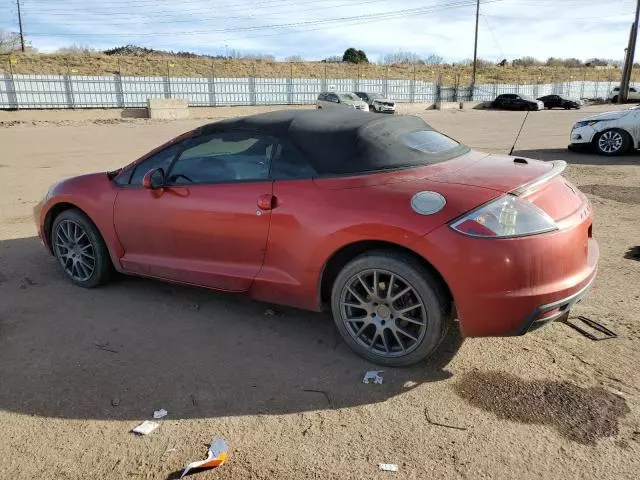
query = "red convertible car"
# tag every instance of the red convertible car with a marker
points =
(399, 228)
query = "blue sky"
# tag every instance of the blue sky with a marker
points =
(316, 29)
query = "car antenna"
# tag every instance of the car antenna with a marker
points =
(519, 131)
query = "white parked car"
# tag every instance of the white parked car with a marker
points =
(341, 99)
(610, 133)
(632, 96)
(377, 102)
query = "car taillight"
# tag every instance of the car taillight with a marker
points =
(506, 217)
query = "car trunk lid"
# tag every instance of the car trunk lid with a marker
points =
(538, 182)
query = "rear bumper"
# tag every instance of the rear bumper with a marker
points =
(510, 287)
(545, 314)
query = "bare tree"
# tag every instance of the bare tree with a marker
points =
(433, 59)
(77, 49)
(9, 41)
(294, 58)
(400, 57)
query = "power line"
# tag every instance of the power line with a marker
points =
(370, 17)
(195, 6)
(200, 18)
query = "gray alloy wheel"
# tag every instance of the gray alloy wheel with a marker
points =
(80, 249)
(389, 309)
(612, 142)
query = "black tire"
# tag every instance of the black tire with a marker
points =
(102, 266)
(625, 144)
(614, 99)
(372, 109)
(427, 289)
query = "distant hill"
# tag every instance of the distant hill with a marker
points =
(139, 61)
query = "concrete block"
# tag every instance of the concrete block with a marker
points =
(447, 105)
(168, 108)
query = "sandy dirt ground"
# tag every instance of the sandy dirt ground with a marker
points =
(80, 368)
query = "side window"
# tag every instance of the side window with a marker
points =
(332, 97)
(162, 159)
(224, 157)
(289, 163)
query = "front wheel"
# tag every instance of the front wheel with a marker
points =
(80, 249)
(612, 142)
(372, 109)
(614, 99)
(388, 309)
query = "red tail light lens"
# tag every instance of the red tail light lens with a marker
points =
(505, 217)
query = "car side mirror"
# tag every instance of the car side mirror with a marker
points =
(153, 179)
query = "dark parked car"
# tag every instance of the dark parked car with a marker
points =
(560, 101)
(515, 101)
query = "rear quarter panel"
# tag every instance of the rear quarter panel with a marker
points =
(311, 223)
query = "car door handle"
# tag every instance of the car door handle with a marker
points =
(267, 202)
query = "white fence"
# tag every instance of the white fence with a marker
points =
(115, 91)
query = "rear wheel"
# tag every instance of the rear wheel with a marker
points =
(80, 249)
(388, 309)
(612, 142)
(614, 99)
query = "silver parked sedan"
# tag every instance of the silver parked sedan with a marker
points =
(341, 99)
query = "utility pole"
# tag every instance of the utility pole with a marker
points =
(20, 22)
(628, 64)
(475, 47)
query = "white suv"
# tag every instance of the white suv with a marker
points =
(633, 95)
(610, 133)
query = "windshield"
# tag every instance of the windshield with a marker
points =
(349, 96)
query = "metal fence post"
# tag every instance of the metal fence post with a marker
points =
(252, 86)
(167, 83)
(10, 87)
(385, 83)
(68, 89)
(323, 82)
(211, 84)
(412, 86)
(117, 78)
(290, 86)
(455, 88)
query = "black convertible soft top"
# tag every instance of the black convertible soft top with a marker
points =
(342, 141)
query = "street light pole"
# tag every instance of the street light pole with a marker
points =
(628, 64)
(475, 45)
(20, 22)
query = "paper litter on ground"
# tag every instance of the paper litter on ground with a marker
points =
(216, 456)
(145, 428)
(373, 376)
(160, 413)
(388, 467)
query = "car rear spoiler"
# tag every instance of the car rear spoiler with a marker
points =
(530, 187)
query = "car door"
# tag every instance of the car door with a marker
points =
(332, 100)
(208, 226)
(517, 102)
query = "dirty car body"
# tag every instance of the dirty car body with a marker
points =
(399, 228)
(609, 133)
